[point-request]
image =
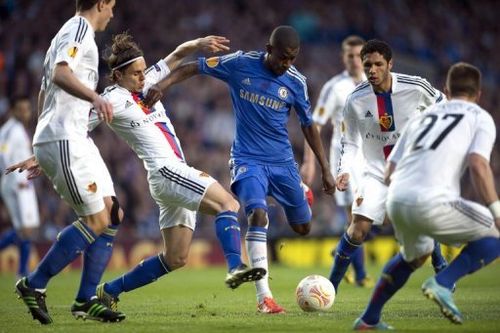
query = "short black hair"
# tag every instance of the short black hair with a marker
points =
(375, 45)
(83, 5)
(284, 36)
(463, 79)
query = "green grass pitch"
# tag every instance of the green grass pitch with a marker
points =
(196, 300)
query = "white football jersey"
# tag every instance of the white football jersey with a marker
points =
(379, 118)
(15, 146)
(432, 153)
(148, 131)
(65, 116)
(330, 105)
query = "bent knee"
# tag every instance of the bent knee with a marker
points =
(175, 261)
(258, 218)
(357, 232)
(230, 205)
(302, 229)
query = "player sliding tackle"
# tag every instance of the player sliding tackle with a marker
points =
(178, 189)
(264, 86)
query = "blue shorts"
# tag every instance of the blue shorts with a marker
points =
(252, 183)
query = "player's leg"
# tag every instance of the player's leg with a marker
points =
(458, 222)
(219, 202)
(68, 170)
(368, 208)
(23, 210)
(360, 277)
(250, 186)
(349, 243)
(97, 255)
(415, 251)
(177, 225)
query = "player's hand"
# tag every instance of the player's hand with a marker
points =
(153, 96)
(328, 182)
(103, 108)
(213, 44)
(307, 172)
(497, 223)
(342, 182)
(31, 165)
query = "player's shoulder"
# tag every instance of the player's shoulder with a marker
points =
(240, 56)
(114, 93)
(360, 91)
(295, 76)
(337, 79)
(77, 28)
(406, 81)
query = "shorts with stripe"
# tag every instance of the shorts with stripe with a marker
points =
(21, 203)
(453, 223)
(78, 173)
(178, 189)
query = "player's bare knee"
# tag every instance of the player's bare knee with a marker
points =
(175, 260)
(258, 218)
(231, 205)
(302, 229)
(97, 222)
(357, 233)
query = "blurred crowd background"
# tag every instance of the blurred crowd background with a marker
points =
(427, 37)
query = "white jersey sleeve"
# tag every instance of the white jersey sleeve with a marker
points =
(155, 74)
(70, 47)
(324, 108)
(350, 139)
(484, 136)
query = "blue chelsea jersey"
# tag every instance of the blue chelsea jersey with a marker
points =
(261, 104)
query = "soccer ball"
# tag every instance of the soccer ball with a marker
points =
(315, 293)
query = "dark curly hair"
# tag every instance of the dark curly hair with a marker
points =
(123, 49)
(375, 45)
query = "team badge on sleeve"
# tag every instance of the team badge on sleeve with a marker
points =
(283, 92)
(212, 62)
(72, 51)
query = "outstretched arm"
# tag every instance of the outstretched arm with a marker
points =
(208, 44)
(179, 74)
(308, 169)
(313, 139)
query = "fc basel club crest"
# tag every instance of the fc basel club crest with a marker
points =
(283, 93)
(385, 121)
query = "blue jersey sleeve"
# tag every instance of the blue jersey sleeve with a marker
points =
(219, 67)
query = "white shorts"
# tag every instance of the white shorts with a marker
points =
(21, 203)
(178, 189)
(369, 200)
(345, 198)
(452, 223)
(78, 173)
